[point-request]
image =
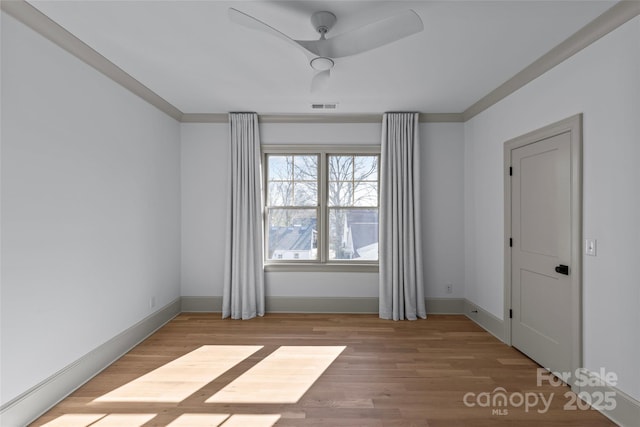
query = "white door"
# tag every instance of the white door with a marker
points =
(541, 227)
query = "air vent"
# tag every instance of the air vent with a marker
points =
(330, 106)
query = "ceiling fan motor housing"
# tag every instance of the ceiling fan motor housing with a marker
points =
(323, 21)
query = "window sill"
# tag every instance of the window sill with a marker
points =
(319, 267)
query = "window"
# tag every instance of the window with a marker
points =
(292, 206)
(353, 207)
(321, 205)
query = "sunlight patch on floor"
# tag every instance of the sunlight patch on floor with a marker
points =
(282, 377)
(124, 420)
(199, 420)
(182, 377)
(224, 420)
(74, 420)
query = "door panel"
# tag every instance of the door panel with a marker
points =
(534, 291)
(541, 232)
(538, 174)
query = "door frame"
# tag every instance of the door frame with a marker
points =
(573, 125)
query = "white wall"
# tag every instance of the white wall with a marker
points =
(442, 155)
(204, 172)
(204, 166)
(90, 209)
(603, 82)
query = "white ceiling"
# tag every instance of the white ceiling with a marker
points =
(190, 54)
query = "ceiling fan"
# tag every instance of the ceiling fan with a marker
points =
(322, 52)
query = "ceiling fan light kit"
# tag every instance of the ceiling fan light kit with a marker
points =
(322, 53)
(322, 63)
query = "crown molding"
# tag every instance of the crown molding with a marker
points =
(45, 26)
(611, 19)
(320, 118)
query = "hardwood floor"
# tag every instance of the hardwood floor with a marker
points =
(199, 370)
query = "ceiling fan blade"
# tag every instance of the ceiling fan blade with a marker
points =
(252, 23)
(320, 81)
(367, 37)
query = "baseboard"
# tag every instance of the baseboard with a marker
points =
(36, 401)
(201, 304)
(276, 304)
(626, 410)
(486, 320)
(358, 305)
(444, 305)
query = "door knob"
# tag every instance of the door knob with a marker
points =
(562, 269)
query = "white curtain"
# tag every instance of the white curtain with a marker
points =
(401, 283)
(243, 296)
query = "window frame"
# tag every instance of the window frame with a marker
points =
(323, 263)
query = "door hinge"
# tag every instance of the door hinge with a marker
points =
(510, 314)
(510, 171)
(510, 242)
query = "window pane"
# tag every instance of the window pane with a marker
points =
(340, 168)
(280, 168)
(353, 181)
(306, 194)
(292, 180)
(353, 234)
(341, 193)
(281, 193)
(292, 234)
(366, 194)
(305, 168)
(366, 168)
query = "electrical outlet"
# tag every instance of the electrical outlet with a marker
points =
(152, 302)
(449, 288)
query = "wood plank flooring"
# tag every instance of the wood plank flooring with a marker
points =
(386, 374)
